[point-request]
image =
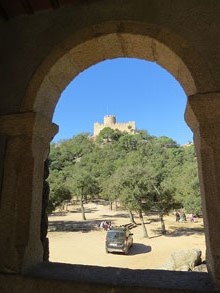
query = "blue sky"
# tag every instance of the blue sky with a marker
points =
(129, 88)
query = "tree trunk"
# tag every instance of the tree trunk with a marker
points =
(111, 205)
(82, 208)
(163, 229)
(145, 234)
(131, 217)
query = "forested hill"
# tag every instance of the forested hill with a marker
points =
(140, 171)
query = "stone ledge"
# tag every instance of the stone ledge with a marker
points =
(60, 277)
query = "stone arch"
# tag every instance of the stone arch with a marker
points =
(107, 41)
(111, 40)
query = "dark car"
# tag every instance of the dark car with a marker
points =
(118, 239)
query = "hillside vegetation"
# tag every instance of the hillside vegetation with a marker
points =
(139, 171)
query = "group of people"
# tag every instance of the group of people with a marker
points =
(192, 218)
(181, 217)
(106, 225)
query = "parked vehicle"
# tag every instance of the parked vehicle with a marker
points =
(118, 239)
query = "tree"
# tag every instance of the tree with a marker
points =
(57, 196)
(164, 201)
(188, 189)
(135, 193)
(69, 151)
(111, 189)
(128, 142)
(84, 185)
(107, 135)
(186, 181)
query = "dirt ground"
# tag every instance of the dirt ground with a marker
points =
(75, 241)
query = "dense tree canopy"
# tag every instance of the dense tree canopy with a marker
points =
(140, 171)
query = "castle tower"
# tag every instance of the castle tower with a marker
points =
(110, 121)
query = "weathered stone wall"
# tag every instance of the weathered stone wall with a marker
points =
(66, 278)
(42, 53)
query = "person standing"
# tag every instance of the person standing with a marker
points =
(177, 217)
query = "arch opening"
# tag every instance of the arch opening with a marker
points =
(57, 71)
(91, 94)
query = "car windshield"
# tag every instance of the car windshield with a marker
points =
(116, 235)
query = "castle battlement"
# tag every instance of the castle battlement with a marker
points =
(110, 121)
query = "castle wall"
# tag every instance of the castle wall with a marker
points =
(109, 121)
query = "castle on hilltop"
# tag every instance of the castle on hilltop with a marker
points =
(110, 121)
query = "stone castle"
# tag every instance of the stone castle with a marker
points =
(110, 121)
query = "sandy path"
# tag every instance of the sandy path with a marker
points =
(67, 245)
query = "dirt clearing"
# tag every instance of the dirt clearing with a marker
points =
(75, 241)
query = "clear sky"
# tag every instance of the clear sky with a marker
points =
(131, 89)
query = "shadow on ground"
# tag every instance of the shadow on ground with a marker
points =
(73, 226)
(122, 215)
(152, 220)
(139, 248)
(184, 231)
